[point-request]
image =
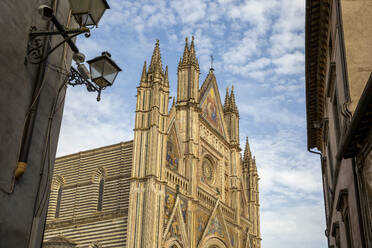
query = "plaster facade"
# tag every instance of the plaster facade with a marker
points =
(186, 185)
(29, 93)
(338, 93)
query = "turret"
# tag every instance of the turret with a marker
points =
(231, 115)
(148, 153)
(188, 76)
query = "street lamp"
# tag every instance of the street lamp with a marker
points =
(88, 12)
(103, 70)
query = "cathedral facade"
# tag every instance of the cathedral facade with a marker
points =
(182, 182)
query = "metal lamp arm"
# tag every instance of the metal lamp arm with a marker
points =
(75, 78)
(35, 44)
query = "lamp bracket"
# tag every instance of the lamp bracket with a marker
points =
(35, 46)
(75, 78)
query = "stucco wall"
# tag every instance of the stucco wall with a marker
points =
(19, 199)
(356, 20)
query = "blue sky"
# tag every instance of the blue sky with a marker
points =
(258, 46)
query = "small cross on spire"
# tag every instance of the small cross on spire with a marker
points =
(211, 62)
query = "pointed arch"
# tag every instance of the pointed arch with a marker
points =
(56, 196)
(213, 242)
(98, 179)
(173, 243)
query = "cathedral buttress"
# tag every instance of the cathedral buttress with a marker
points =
(147, 190)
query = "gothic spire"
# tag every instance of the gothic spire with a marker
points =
(226, 106)
(156, 65)
(247, 151)
(192, 51)
(186, 52)
(233, 106)
(144, 73)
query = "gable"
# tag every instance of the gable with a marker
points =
(175, 223)
(211, 106)
(216, 226)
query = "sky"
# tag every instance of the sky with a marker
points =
(258, 46)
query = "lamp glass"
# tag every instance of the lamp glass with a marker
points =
(88, 12)
(110, 72)
(103, 70)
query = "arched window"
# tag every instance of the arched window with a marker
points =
(59, 198)
(100, 194)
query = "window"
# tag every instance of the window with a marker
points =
(343, 207)
(100, 195)
(59, 198)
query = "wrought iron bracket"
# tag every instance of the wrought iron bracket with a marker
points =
(35, 45)
(75, 78)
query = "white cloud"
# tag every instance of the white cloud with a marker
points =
(258, 46)
(290, 63)
(89, 124)
(270, 110)
(190, 11)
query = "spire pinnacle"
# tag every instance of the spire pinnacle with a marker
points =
(144, 73)
(247, 151)
(226, 106)
(192, 51)
(156, 64)
(233, 106)
(186, 52)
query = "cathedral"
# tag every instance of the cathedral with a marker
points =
(183, 181)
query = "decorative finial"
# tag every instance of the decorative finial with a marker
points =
(156, 64)
(211, 63)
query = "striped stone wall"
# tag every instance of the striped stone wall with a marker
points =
(79, 176)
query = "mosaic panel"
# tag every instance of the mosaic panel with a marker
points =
(215, 228)
(201, 223)
(210, 112)
(174, 229)
(170, 200)
(172, 152)
(184, 210)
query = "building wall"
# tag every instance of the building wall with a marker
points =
(357, 30)
(347, 67)
(79, 176)
(22, 201)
